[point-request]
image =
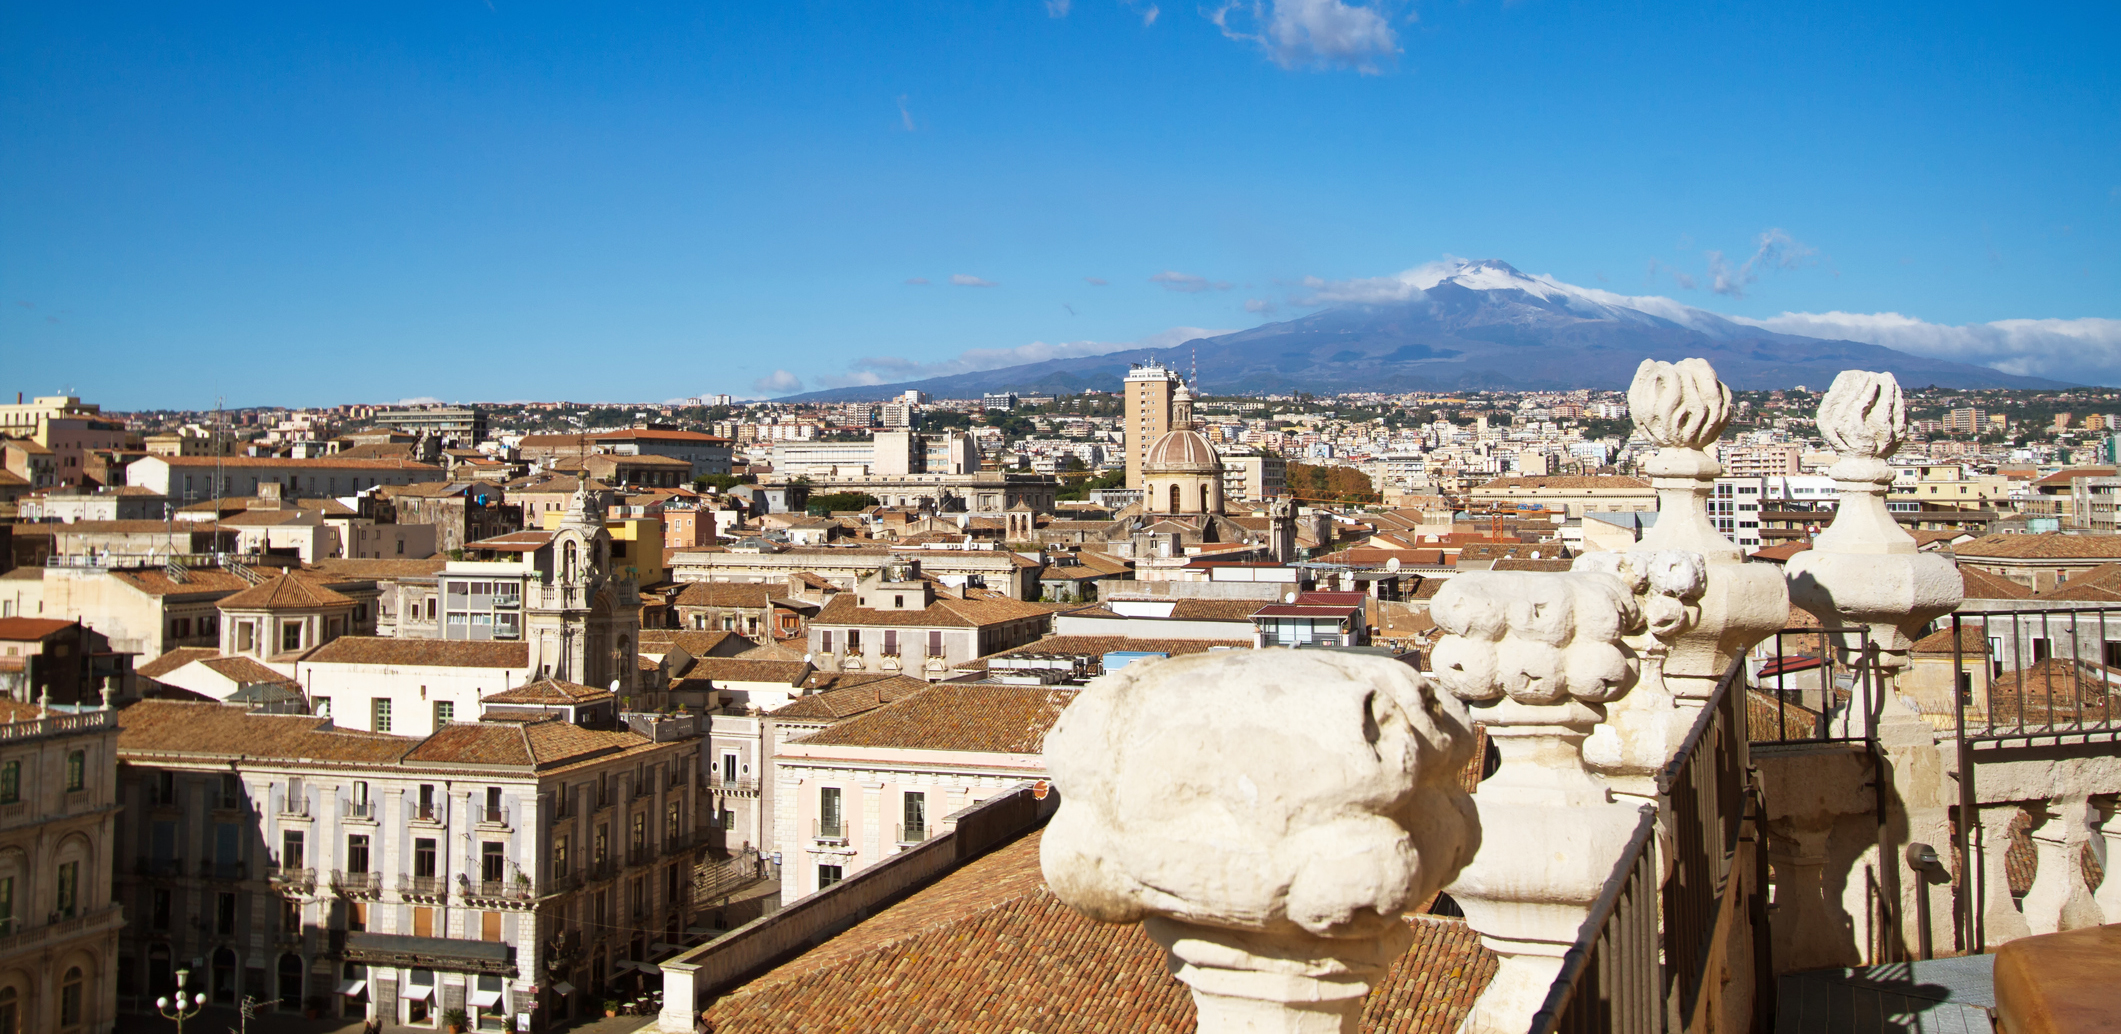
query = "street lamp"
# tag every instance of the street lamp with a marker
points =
(177, 1009)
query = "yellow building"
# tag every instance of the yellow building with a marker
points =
(1947, 486)
(636, 546)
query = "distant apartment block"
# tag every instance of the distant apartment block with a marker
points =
(464, 425)
(192, 478)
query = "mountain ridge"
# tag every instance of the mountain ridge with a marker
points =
(1460, 326)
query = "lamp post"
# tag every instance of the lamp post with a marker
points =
(177, 1009)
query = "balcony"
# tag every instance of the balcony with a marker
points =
(291, 878)
(297, 807)
(680, 843)
(435, 887)
(562, 882)
(721, 784)
(910, 835)
(21, 939)
(506, 891)
(357, 884)
(358, 811)
(213, 870)
(829, 829)
(600, 870)
(640, 854)
(491, 817)
(163, 868)
(436, 812)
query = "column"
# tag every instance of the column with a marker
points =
(2104, 839)
(2059, 899)
(2000, 917)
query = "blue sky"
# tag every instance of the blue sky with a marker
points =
(312, 203)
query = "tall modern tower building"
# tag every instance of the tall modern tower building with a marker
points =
(1150, 390)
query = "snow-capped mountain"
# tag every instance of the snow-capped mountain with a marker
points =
(1462, 325)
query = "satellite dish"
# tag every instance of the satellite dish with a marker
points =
(1290, 598)
(614, 685)
(1392, 566)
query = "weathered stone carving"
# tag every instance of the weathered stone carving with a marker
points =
(1682, 408)
(1643, 729)
(1543, 653)
(1268, 816)
(1863, 569)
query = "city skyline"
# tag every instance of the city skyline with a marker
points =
(493, 201)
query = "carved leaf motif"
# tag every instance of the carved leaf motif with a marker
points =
(1679, 405)
(1863, 414)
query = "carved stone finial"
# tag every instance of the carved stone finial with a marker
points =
(1863, 415)
(1679, 405)
(1268, 816)
(1550, 650)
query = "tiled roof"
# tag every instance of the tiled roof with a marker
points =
(2101, 584)
(739, 669)
(1100, 645)
(843, 610)
(26, 629)
(988, 948)
(519, 541)
(174, 659)
(550, 691)
(440, 653)
(269, 518)
(383, 570)
(162, 727)
(1971, 641)
(244, 670)
(701, 643)
(724, 594)
(325, 463)
(1982, 585)
(2062, 478)
(1565, 481)
(545, 743)
(154, 581)
(835, 704)
(285, 592)
(1514, 564)
(956, 716)
(2055, 691)
(2044, 546)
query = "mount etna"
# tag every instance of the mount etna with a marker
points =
(1466, 326)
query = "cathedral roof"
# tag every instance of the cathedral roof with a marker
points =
(1183, 451)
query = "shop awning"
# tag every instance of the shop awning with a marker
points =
(352, 987)
(417, 992)
(659, 947)
(563, 988)
(486, 999)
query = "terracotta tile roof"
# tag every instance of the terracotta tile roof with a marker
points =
(751, 595)
(2101, 584)
(244, 670)
(1971, 640)
(834, 704)
(2053, 692)
(843, 610)
(2062, 478)
(956, 716)
(1100, 645)
(381, 570)
(166, 727)
(989, 948)
(550, 691)
(1514, 564)
(174, 659)
(539, 742)
(697, 643)
(270, 518)
(325, 463)
(2044, 546)
(27, 629)
(154, 581)
(439, 653)
(827, 681)
(517, 541)
(741, 669)
(1565, 481)
(290, 592)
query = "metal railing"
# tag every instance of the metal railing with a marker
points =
(423, 886)
(363, 811)
(1702, 790)
(828, 829)
(1610, 980)
(357, 882)
(432, 811)
(744, 785)
(1817, 685)
(292, 877)
(500, 890)
(486, 816)
(915, 834)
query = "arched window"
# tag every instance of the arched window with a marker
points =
(70, 998)
(1174, 500)
(10, 1012)
(225, 976)
(291, 982)
(77, 770)
(1204, 508)
(567, 570)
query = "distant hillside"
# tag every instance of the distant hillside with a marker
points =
(1484, 325)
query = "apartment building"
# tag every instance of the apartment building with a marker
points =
(191, 478)
(1572, 495)
(705, 453)
(895, 623)
(514, 867)
(58, 923)
(1150, 389)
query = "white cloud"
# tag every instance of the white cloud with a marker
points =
(2083, 351)
(424, 400)
(1259, 306)
(1149, 16)
(965, 280)
(893, 369)
(1096, 281)
(779, 382)
(1058, 8)
(1312, 33)
(905, 115)
(1186, 283)
(916, 280)
(1773, 249)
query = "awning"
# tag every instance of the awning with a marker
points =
(659, 947)
(563, 988)
(486, 999)
(417, 992)
(649, 967)
(352, 987)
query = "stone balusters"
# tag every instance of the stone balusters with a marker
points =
(2059, 899)
(1864, 569)
(1646, 727)
(2000, 919)
(2106, 847)
(1542, 654)
(1268, 816)
(1682, 409)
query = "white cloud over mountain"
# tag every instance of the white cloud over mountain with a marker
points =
(1312, 33)
(2083, 351)
(893, 369)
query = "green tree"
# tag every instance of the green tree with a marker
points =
(839, 502)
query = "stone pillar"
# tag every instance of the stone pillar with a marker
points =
(2001, 921)
(1549, 651)
(1682, 408)
(1645, 728)
(2059, 899)
(1267, 816)
(2104, 839)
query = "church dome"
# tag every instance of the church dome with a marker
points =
(1181, 452)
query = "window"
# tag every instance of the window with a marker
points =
(427, 801)
(357, 853)
(489, 926)
(493, 861)
(379, 714)
(640, 833)
(225, 914)
(825, 641)
(891, 642)
(7, 905)
(290, 635)
(914, 813)
(291, 849)
(290, 916)
(827, 875)
(70, 998)
(935, 642)
(729, 760)
(445, 712)
(828, 810)
(246, 636)
(559, 856)
(231, 792)
(423, 857)
(10, 1015)
(11, 782)
(493, 804)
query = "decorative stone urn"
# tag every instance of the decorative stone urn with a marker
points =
(1864, 569)
(1268, 816)
(1542, 655)
(1682, 408)
(1645, 728)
